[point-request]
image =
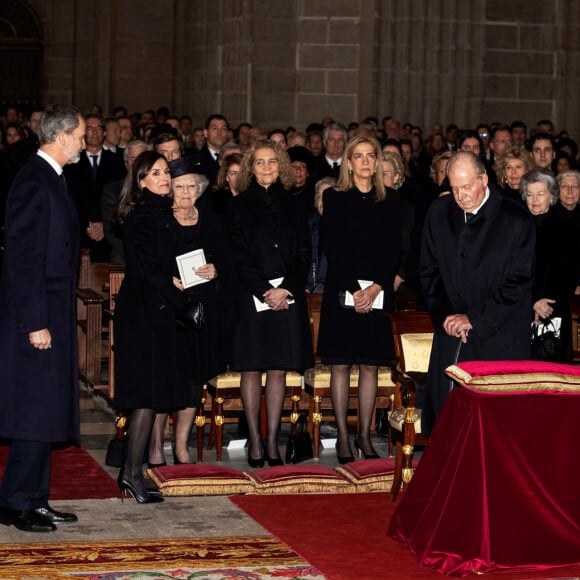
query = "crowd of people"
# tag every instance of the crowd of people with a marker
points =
(480, 226)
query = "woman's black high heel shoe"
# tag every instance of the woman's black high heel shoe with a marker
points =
(156, 465)
(362, 453)
(272, 461)
(177, 462)
(344, 459)
(127, 487)
(255, 463)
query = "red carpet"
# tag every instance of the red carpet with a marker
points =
(344, 536)
(75, 475)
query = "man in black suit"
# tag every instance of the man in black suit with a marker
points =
(110, 198)
(95, 168)
(38, 351)
(334, 139)
(476, 269)
(216, 135)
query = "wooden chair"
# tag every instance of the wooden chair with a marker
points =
(413, 336)
(91, 294)
(116, 275)
(576, 328)
(226, 397)
(317, 381)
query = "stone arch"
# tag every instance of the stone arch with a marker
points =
(20, 56)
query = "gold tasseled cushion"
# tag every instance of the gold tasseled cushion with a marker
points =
(513, 376)
(319, 376)
(299, 479)
(397, 419)
(233, 378)
(200, 479)
(370, 474)
(417, 350)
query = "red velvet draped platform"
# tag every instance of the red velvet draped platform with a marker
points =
(498, 487)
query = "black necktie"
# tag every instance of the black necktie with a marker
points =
(95, 166)
(335, 165)
(468, 217)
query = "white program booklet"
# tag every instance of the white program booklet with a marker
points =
(261, 306)
(187, 264)
(377, 304)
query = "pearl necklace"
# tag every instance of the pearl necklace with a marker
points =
(189, 217)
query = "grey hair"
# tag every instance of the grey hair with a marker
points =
(135, 144)
(569, 173)
(459, 156)
(57, 119)
(335, 127)
(202, 183)
(540, 175)
(331, 181)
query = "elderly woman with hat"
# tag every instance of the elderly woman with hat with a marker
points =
(200, 352)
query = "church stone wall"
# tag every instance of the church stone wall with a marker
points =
(280, 62)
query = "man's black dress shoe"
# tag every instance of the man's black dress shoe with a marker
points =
(54, 516)
(26, 520)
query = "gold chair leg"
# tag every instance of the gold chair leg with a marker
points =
(316, 420)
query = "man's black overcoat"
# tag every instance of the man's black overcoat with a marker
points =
(39, 388)
(483, 269)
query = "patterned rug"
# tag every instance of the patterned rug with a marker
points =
(252, 558)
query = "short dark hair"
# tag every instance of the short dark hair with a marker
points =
(216, 117)
(542, 137)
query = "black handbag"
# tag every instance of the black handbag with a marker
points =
(116, 451)
(192, 315)
(299, 447)
(546, 345)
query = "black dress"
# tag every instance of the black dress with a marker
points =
(556, 267)
(362, 241)
(202, 354)
(145, 332)
(271, 239)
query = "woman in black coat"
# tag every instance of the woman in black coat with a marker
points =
(200, 354)
(362, 236)
(556, 257)
(272, 248)
(145, 335)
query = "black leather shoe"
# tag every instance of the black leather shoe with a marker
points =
(54, 516)
(26, 520)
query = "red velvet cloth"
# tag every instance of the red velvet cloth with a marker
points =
(483, 368)
(498, 486)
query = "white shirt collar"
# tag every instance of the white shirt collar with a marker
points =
(50, 161)
(486, 197)
(331, 162)
(91, 155)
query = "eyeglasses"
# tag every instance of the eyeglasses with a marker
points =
(484, 134)
(567, 187)
(540, 194)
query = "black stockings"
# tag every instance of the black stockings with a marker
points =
(251, 390)
(367, 392)
(140, 426)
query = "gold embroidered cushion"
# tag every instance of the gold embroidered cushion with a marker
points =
(200, 479)
(516, 376)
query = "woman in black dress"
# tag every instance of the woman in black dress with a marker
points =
(271, 242)
(510, 167)
(145, 337)
(556, 257)
(200, 354)
(362, 237)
